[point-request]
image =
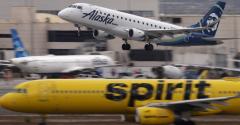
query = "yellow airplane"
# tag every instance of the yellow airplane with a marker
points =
(151, 101)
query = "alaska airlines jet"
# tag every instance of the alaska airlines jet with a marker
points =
(152, 102)
(51, 64)
(109, 23)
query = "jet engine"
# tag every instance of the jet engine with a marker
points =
(101, 35)
(154, 116)
(168, 71)
(136, 34)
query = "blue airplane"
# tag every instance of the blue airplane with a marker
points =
(200, 38)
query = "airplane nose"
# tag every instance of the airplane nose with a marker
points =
(6, 102)
(0, 101)
(62, 14)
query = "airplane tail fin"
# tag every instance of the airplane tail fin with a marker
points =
(214, 14)
(18, 45)
(203, 74)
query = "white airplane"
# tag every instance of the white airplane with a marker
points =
(51, 64)
(54, 66)
(108, 23)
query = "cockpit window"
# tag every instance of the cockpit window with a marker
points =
(79, 7)
(75, 6)
(21, 90)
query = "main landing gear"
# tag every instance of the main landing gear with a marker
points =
(184, 122)
(43, 120)
(126, 45)
(149, 47)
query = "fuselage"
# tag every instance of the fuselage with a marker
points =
(108, 20)
(60, 64)
(115, 96)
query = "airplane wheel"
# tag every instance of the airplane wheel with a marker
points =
(126, 46)
(183, 122)
(148, 47)
(42, 123)
(191, 123)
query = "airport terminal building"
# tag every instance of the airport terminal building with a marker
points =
(43, 32)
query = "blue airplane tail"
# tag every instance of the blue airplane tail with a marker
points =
(214, 14)
(18, 45)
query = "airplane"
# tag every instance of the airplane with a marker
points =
(49, 65)
(108, 23)
(194, 71)
(151, 101)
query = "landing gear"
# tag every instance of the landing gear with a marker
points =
(149, 47)
(184, 122)
(43, 120)
(79, 29)
(126, 45)
(128, 118)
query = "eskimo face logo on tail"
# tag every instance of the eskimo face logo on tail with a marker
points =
(212, 17)
(96, 16)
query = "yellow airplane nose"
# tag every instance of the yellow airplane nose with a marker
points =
(0, 101)
(5, 101)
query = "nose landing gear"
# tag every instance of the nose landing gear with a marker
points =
(126, 45)
(79, 29)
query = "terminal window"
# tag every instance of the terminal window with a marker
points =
(155, 55)
(69, 36)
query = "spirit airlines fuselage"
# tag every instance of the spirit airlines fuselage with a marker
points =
(61, 64)
(115, 96)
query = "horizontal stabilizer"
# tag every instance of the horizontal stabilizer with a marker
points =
(218, 39)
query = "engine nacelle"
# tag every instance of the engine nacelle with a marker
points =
(154, 116)
(168, 71)
(101, 35)
(136, 34)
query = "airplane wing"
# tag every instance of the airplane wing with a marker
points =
(209, 67)
(69, 70)
(194, 105)
(5, 61)
(8, 65)
(179, 31)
